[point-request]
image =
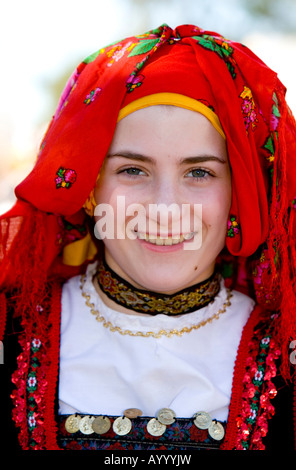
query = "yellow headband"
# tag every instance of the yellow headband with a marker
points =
(172, 99)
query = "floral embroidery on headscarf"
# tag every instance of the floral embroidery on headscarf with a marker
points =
(248, 109)
(68, 90)
(275, 115)
(220, 47)
(117, 52)
(65, 178)
(90, 97)
(134, 81)
(233, 227)
(270, 145)
(144, 46)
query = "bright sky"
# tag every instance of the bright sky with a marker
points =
(39, 40)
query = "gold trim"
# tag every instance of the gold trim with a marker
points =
(148, 334)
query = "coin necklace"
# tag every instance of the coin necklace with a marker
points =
(156, 427)
(158, 334)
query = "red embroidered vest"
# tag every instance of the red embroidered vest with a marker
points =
(36, 381)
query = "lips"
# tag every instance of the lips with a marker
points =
(161, 241)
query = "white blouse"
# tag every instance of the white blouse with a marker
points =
(105, 372)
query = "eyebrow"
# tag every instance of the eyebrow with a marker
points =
(183, 161)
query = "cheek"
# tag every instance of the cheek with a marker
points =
(216, 206)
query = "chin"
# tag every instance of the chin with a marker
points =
(162, 282)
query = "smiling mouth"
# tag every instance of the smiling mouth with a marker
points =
(168, 241)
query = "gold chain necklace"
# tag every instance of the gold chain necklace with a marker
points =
(160, 333)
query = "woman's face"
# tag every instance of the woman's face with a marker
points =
(167, 181)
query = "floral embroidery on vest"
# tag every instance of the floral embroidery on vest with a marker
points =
(30, 381)
(36, 379)
(258, 392)
(36, 375)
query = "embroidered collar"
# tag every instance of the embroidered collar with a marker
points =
(152, 303)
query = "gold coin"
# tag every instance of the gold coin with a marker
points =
(155, 428)
(216, 430)
(122, 426)
(132, 413)
(166, 416)
(202, 420)
(101, 424)
(85, 425)
(72, 423)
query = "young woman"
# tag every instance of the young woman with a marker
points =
(148, 266)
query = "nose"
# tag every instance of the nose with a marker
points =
(166, 190)
(165, 209)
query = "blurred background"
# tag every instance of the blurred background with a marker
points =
(42, 41)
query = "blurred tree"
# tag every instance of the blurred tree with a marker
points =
(280, 14)
(274, 14)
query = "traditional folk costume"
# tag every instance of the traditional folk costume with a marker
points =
(210, 367)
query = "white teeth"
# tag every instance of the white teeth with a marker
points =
(165, 241)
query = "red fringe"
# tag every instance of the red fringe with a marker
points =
(281, 245)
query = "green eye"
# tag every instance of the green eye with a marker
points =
(198, 173)
(132, 171)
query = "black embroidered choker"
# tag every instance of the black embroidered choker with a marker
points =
(142, 301)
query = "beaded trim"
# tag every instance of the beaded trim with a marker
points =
(36, 377)
(253, 390)
(142, 301)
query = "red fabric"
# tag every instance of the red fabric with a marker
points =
(250, 102)
(81, 132)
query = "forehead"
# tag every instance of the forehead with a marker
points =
(164, 129)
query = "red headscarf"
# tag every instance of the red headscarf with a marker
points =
(260, 131)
